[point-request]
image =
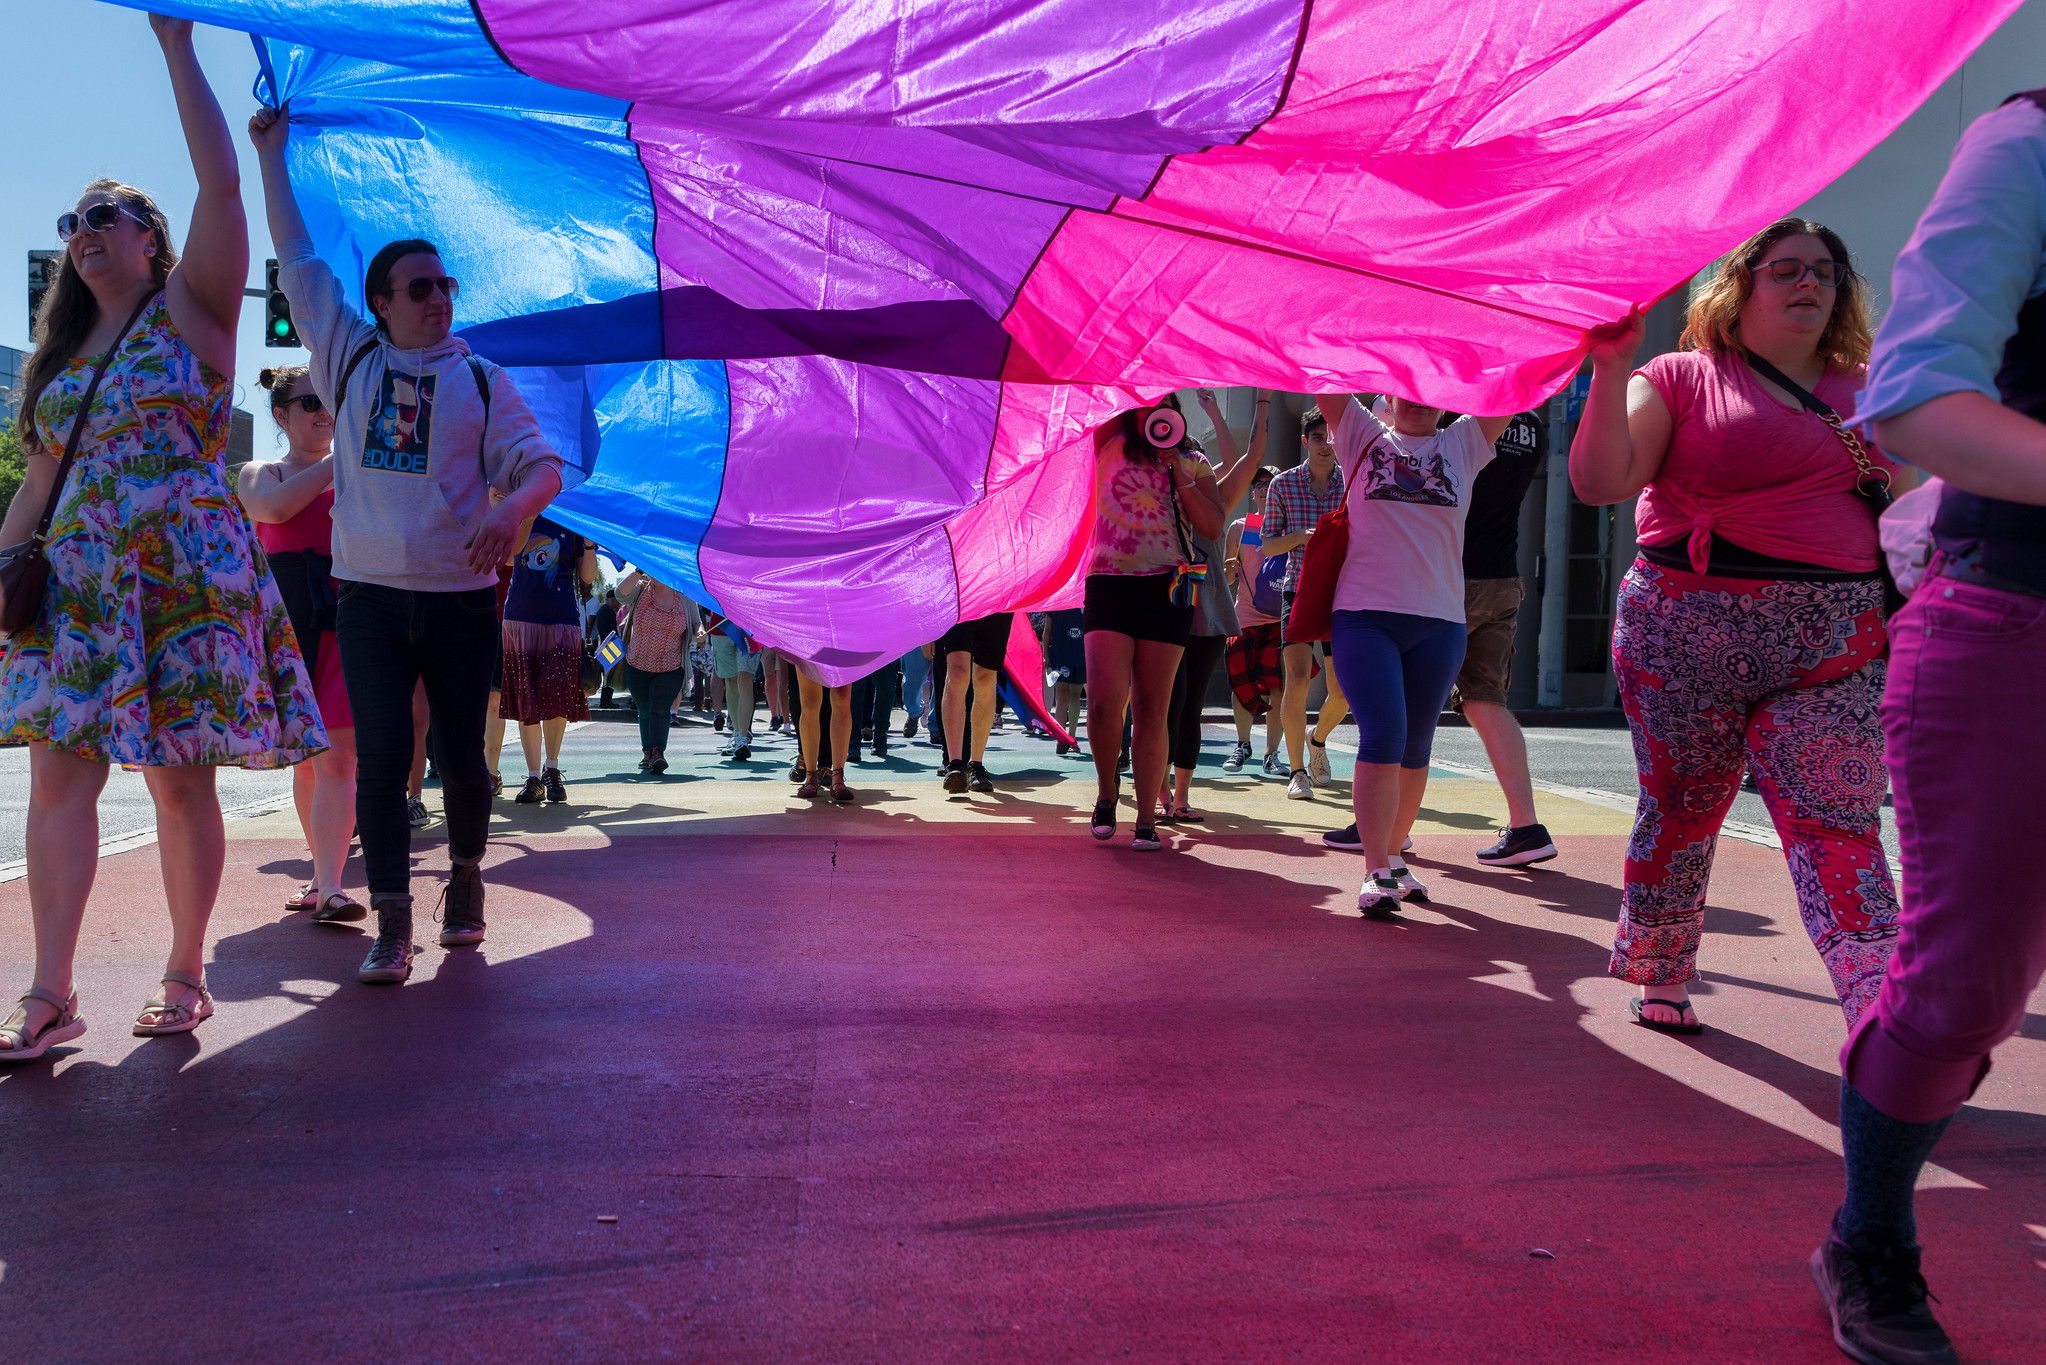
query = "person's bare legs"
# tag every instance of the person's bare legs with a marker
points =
(191, 848)
(775, 684)
(1110, 658)
(529, 744)
(331, 820)
(63, 858)
(807, 728)
(987, 699)
(841, 724)
(1298, 667)
(1244, 721)
(1386, 799)
(1151, 673)
(1375, 799)
(1413, 788)
(552, 731)
(952, 706)
(1506, 748)
(1335, 707)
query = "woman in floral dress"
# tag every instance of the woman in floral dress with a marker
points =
(161, 641)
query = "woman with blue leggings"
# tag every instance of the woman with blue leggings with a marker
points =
(1398, 630)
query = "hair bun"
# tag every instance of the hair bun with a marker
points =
(268, 379)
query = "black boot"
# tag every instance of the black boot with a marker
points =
(390, 957)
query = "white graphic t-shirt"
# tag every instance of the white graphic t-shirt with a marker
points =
(1408, 499)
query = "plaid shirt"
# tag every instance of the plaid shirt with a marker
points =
(1292, 506)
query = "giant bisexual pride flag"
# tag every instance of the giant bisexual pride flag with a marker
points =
(825, 297)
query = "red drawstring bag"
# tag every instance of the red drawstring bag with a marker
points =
(1314, 596)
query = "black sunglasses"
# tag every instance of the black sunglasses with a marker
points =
(424, 288)
(96, 218)
(307, 402)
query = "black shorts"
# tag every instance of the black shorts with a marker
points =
(1139, 606)
(985, 638)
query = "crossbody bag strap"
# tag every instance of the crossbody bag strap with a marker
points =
(483, 434)
(1186, 553)
(354, 363)
(71, 443)
(1870, 478)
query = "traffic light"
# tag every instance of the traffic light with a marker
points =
(42, 277)
(277, 328)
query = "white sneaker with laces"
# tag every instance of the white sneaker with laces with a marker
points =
(1379, 897)
(1237, 756)
(1317, 763)
(1410, 886)
(1274, 765)
(1299, 787)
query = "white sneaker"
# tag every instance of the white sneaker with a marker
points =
(1237, 756)
(1317, 763)
(1299, 787)
(1410, 886)
(1378, 898)
(1274, 765)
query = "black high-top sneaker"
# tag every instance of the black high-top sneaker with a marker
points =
(390, 957)
(461, 906)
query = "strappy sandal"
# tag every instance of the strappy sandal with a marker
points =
(1680, 1006)
(840, 793)
(26, 1046)
(339, 909)
(179, 1018)
(1187, 815)
(307, 898)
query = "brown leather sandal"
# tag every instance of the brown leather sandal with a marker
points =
(840, 793)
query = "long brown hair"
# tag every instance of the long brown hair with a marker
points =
(1713, 320)
(69, 309)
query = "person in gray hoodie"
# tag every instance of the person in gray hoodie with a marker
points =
(438, 463)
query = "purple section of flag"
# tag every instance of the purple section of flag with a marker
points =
(1065, 99)
(833, 528)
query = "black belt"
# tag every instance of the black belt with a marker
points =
(1968, 571)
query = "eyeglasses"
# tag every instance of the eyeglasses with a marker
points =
(96, 218)
(307, 402)
(1790, 270)
(424, 288)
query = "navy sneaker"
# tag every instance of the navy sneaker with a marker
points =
(1522, 847)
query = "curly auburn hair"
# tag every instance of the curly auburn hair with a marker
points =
(1712, 322)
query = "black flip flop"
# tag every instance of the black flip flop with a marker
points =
(1680, 1006)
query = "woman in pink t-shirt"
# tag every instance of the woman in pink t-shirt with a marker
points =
(1750, 630)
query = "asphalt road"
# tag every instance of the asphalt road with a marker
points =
(1597, 759)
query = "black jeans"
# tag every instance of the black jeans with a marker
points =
(1189, 694)
(873, 703)
(653, 696)
(392, 639)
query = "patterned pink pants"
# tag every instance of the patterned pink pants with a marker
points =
(1717, 674)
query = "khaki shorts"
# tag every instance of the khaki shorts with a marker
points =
(1490, 608)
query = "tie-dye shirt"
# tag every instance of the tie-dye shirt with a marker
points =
(1134, 531)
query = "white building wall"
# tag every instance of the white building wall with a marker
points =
(1875, 204)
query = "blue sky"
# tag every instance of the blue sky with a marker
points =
(83, 94)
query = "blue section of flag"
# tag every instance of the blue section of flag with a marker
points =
(611, 651)
(537, 200)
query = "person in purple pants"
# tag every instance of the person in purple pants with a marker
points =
(1957, 385)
